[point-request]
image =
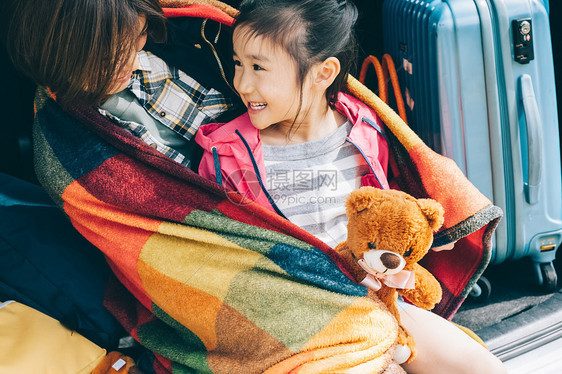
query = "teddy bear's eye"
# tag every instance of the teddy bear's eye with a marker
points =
(372, 245)
(408, 252)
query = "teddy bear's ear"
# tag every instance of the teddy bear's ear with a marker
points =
(361, 199)
(433, 211)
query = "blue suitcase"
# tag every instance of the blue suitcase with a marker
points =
(478, 80)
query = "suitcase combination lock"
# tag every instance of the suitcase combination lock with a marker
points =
(522, 40)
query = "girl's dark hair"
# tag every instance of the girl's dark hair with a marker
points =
(77, 47)
(309, 30)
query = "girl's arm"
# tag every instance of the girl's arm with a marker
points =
(446, 247)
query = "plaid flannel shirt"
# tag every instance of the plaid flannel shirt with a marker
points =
(174, 99)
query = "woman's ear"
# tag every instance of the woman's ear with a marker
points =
(326, 72)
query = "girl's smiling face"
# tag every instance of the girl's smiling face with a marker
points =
(266, 79)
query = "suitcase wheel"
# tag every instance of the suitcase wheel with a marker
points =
(480, 291)
(547, 277)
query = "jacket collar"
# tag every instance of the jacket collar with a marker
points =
(144, 61)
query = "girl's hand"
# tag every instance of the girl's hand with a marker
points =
(446, 247)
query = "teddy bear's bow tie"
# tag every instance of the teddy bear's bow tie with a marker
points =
(404, 279)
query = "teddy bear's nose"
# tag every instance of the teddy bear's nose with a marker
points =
(391, 260)
(384, 261)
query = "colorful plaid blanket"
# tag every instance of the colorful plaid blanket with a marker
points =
(222, 285)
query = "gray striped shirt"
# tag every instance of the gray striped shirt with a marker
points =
(310, 181)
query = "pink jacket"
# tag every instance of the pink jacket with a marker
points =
(233, 153)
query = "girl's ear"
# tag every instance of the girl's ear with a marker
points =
(326, 72)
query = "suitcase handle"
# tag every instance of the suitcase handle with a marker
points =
(534, 138)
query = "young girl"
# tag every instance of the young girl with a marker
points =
(303, 144)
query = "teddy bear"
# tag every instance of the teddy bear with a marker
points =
(389, 231)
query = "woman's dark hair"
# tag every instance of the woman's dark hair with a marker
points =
(77, 47)
(309, 30)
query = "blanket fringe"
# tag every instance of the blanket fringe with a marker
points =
(214, 3)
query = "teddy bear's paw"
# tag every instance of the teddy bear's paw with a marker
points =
(401, 354)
